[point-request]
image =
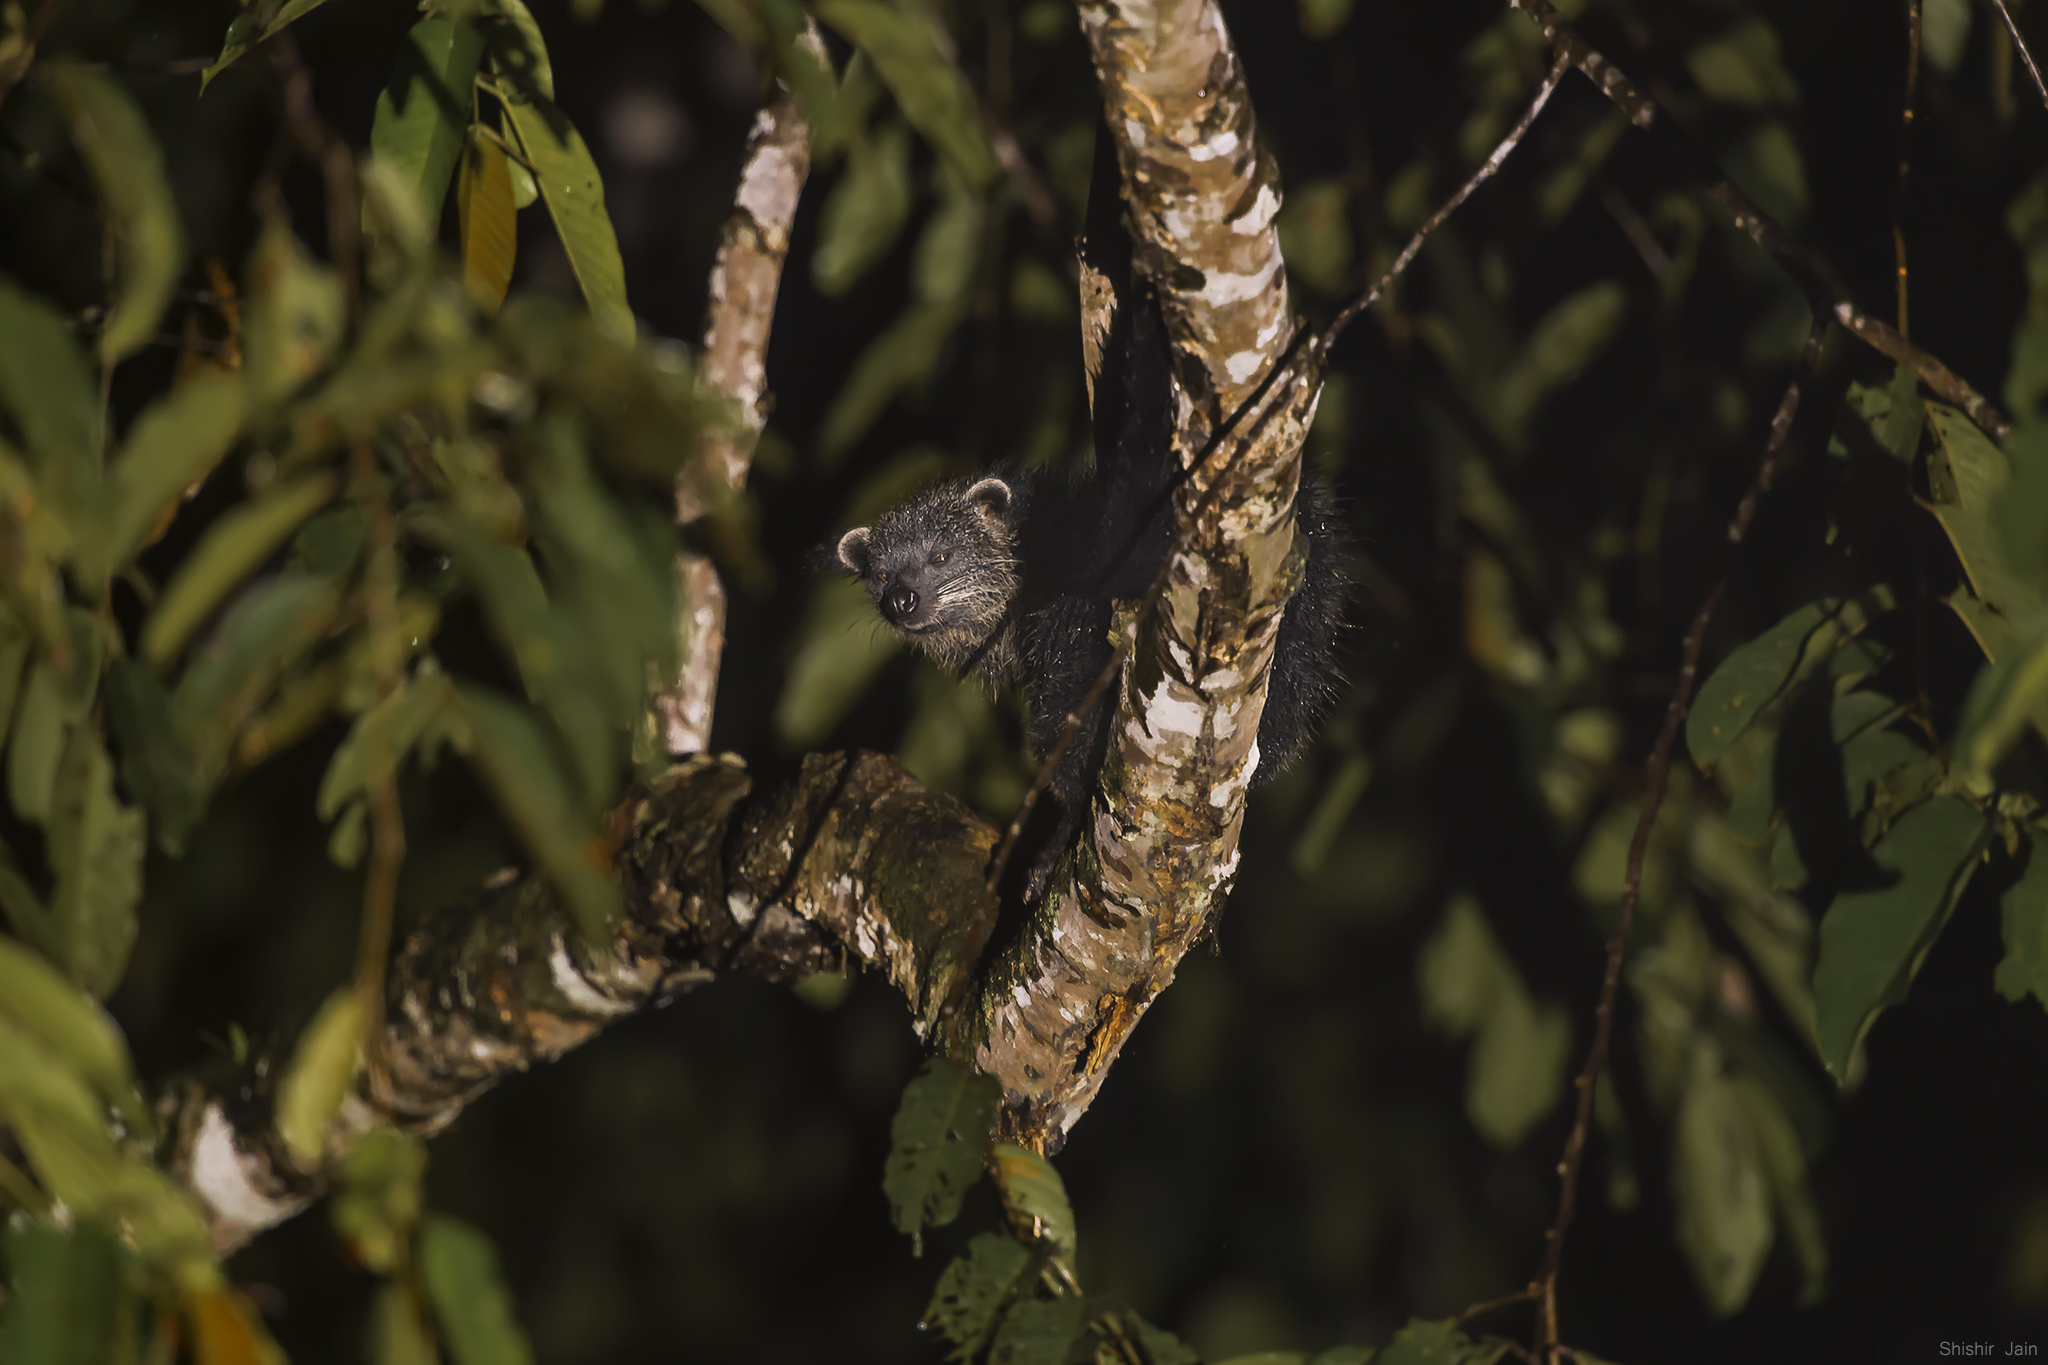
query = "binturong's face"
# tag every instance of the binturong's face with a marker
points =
(939, 565)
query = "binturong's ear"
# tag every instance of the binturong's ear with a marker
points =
(853, 551)
(990, 497)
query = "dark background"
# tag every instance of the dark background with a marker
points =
(1281, 1159)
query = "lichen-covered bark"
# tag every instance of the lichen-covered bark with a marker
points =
(852, 865)
(745, 280)
(1148, 881)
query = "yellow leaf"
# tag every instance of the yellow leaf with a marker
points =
(490, 222)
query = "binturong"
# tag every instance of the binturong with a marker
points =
(1014, 576)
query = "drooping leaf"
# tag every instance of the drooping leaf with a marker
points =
(1767, 667)
(128, 170)
(516, 48)
(1315, 233)
(66, 1295)
(459, 1268)
(46, 387)
(398, 1330)
(914, 59)
(574, 191)
(389, 729)
(523, 774)
(156, 764)
(1872, 941)
(1427, 1342)
(1784, 1161)
(174, 444)
(2024, 909)
(1562, 344)
(1721, 1189)
(936, 1144)
(949, 250)
(266, 629)
(227, 1331)
(36, 998)
(233, 548)
(1039, 1332)
(295, 316)
(255, 23)
(1162, 1347)
(1968, 476)
(96, 848)
(2009, 697)
(902, 356)
(423, 114)
(974, 1290)
(1742, 66)
(1034, 1196)
(378, 1201)
(58, 696)
(865, 210)
(322, 1068)
(490, 222)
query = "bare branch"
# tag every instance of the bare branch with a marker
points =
(1757, 225)
(852, 864)
(2021, 43)
(745, 279)
(1657, 777)
(1450, 206)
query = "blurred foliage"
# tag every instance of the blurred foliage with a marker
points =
(299, 493)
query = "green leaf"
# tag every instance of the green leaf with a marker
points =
(1039, 1332)
(1035, 1197)
(865, 210)
(255, 23)
(16, 646)
(1315, 233)
(398, 1333)
(36, 998)
(2024, 909)
(903, 355)
(128, 169)
(1469, 986)
(59, 695)
(1721, 1189)
(2009, 696)
(1784, 1161)
(391, 727)
(516, 48)
(1563, 343)
(271, 625)
(233, 548)
(66, 1296)
(423, 114)
(1321, 19)
(949, 250)
(295, 317)
(1873, 940)
(1968, 476)
(838, 655)
(936, 1144)
(96, 848)
(512, 752)
(378, 1201)
(46, 387)
(156, 766)
(575, 195)
(975, 1288)
(323, 1067)
(1426, 1342)
(1162, 1347)
(914, 59)
(460, 1270)
(1743, 67)
(174, 444)
(1769, 667)
(488, 211)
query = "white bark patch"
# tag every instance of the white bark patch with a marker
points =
(219, 1177)
(1244, 365)
(741, 907)
(1221, 145)
(770, 185)
(1265, 207)
(1168, 714)
(575, 989)
(1134, 132)
(1220, 287)
(1022, 996)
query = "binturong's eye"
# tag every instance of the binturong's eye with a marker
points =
(938, 558)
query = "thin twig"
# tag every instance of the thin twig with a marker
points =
(1757, 225)
(1522, 1295)
(2021, 43)
(1657, 778)
(1905, 151)
(1436, 220)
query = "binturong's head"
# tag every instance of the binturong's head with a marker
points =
(941, 567)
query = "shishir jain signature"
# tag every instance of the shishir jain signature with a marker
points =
(1989, 1348)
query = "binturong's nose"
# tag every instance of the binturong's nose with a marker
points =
(900, 602)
